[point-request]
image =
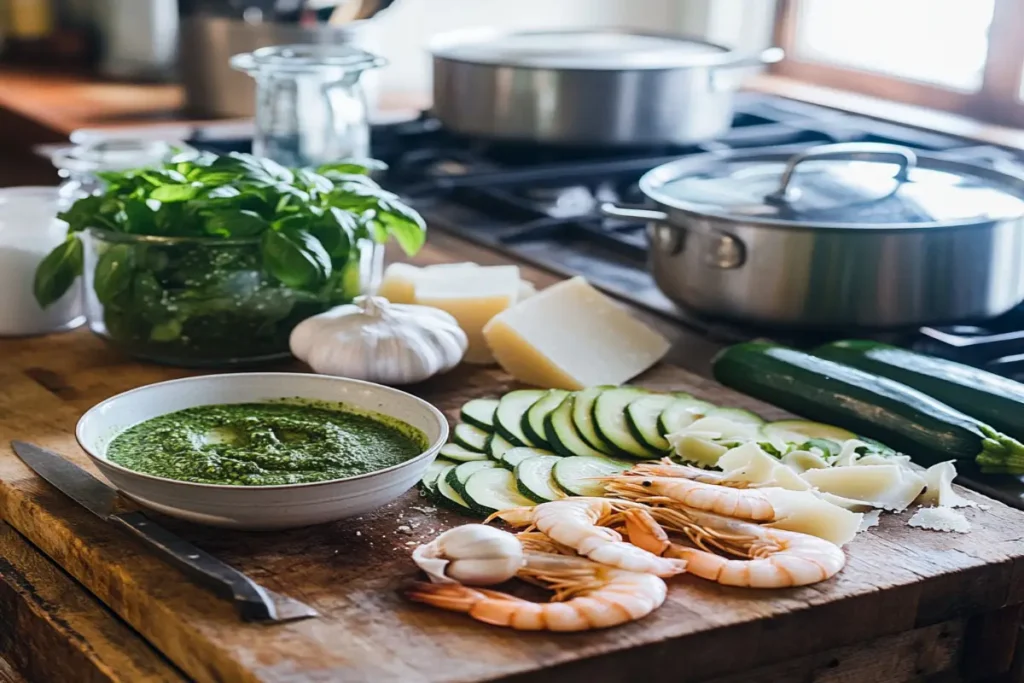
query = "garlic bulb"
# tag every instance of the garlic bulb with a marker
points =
(377, 341)
(473, 554)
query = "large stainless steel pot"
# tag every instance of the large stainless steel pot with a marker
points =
(837, 236)
(587, 87)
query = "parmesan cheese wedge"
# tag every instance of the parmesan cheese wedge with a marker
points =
(473, 296)
(570, 336)
(399, 283)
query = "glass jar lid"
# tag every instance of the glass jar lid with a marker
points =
(307, 58)
(116, 155)
(842, 185)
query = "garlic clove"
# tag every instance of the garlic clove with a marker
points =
(474, 554)
(426, 558)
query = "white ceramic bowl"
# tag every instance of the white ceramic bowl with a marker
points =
(260, 507)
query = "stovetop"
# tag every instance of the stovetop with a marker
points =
(541, 205)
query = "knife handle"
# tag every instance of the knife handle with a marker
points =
(251, 599)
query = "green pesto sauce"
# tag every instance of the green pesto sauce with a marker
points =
(263, 444)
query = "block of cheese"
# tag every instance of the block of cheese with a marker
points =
(473, 296)
(399, 282)
(571, 336)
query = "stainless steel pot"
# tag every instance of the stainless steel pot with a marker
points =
(587, 87)
(214, 89)
(838, 236)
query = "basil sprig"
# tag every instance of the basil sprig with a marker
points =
(308, 221)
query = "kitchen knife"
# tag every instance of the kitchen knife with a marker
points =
(253, 602)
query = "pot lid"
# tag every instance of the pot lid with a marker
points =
(842, 185)
(597, 49)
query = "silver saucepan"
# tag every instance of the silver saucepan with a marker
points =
(588, 86)
(837, 236)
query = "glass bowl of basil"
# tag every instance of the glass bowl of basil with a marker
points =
(212, 260)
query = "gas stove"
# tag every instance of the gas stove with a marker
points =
(541, 205)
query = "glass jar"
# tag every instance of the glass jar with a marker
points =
(310, 105)
(201, 302)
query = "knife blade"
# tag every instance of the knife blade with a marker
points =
(253, 602)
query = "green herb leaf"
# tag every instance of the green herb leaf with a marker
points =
(79, 215)
(402, 223)
(58, 271)
(296, 258)
(336, 230)
(113, 274)
(241, 224)
(169, 194)
(353, 166)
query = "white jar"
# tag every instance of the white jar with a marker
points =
(29, 230)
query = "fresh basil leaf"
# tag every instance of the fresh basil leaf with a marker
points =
(336, 230)
(241, 224)
(353, 166)
(148, 298)
(113, 273)
(169, 194)
(138, 217)
(224, 192)
(402, 223)
(166, 331)
(296, 258)
(313, 181)
(58, 271)
(79, 215)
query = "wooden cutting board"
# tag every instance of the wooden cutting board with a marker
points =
(915, 597)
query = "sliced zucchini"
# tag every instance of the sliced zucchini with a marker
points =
(642, 416)
(579, 475)
(534, 479)
(561, 432)
(737, 415)
(681, 412)
(583, 417)
(448, 496)
(611, 425)
(480, 413)
(516, 455)
(454, 451)
(428, 482)
(496, 446)
(495, 489)
(801, 431)
(470, 437)
(508, 418)
(533, 420)
(458, 475)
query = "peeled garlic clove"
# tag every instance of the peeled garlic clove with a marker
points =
(474, 554)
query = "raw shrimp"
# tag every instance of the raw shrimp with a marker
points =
(588, 595)
(772, 558)
(749, 504)
(666, 468)
(582, 524)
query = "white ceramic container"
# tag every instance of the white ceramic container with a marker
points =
(260, 507)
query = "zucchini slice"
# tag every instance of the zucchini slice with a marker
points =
(490, 490)
(799, 432)
(681, 412)
(454, 451)
(578, 475)
(611, 425)
(496, 446)
(534, 479)
(470, 437)
(448, 496)
(738, 415)
(508, 418)
(642, 416)
(516, 455)
(561, 432)
(428, 482)
(458, 475)
(480, 413)
(583, 417)
(533, 420)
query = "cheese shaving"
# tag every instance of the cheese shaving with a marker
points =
(940, 519)
(749, 463)
(890, 487)
(939, 482)
(870, 519)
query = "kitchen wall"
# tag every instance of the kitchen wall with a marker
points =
(401, 32)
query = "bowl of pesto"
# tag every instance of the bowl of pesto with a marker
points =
(263, 450)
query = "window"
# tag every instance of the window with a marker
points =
(964, 56)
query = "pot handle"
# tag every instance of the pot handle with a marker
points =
(769, 55)
(631, 213)
(844, 151)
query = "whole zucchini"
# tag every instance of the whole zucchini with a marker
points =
(993, 399)
(877, 407)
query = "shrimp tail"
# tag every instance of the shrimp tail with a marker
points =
(453, 597)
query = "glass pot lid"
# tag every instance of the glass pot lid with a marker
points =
(841, 185)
